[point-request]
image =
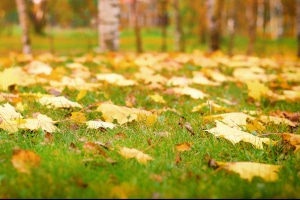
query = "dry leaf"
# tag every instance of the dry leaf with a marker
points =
(58, 102)
(186, 146)
(134, 153)
(248, 170)
(25, 160)
(234, 135)
(293, 140)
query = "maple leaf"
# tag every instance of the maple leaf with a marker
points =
(234, 135)
(200, 78)
(38, 67)
(256, 89)
(25, 160)
(248, 170)
(78, 117)
(134, 153)
(122, 114)
(40, 121)
(157, 98)
(58, 102)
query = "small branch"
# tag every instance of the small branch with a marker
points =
(267, 134)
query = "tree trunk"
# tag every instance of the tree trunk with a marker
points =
(139, 48)
(276, 19)
(260, 17)
(37, 15)
(179, 41)
(163, 22)
(108, 24)
(214, 8)
(298, 25)
(251, 14)
(24, 26)
(231, 25)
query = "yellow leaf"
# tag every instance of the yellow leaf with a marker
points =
(25, 160)
(80, 95)
(233, 135)
(40, 121)
(256, 89)
(58, 102)
(277, 120)
(78, 117)
(157, 98)
(99, 124)
(248, 170)
(134, 153)
(192, 92)
(122, 114)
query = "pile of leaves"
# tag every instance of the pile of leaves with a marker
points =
(114, 93)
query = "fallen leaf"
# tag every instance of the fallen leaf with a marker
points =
(192, 92)
(256, 90)
(248, 170)
(122, 114)
(293, 140)
(134, 153)
(81, 94)
(78, 117)
(58, 102)
(186, 146)
(157, 98)
(99, 124)
(25, 160)
(234, 135)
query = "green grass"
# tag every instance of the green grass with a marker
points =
(65, 172)
(76, 41)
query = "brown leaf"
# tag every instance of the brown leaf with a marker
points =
(120, 136)
(293, 140)
(93, 148)
(25, 160)
(186, 146)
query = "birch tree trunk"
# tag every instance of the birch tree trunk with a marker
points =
(108, 24)
(178, 37)
(298, 25)
(251, 15)
(214, 8)
(231, 25)
(260, 16)
(276, 19)
(23, 20)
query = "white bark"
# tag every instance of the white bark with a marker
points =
(276, 19)
(108, 24)
(24, 26)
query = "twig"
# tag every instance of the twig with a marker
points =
(267, 134)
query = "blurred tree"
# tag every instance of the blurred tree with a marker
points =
(135, 11)
(298, 26)
(36, 10)
(276, 19)
(251, 14)
(21, 6)
(178, 36)
(214, 8)
(163, 21)
(108, 24)
(231, 21)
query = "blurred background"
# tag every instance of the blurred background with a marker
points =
(253, 27)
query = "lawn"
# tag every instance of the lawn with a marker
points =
(159, 108)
